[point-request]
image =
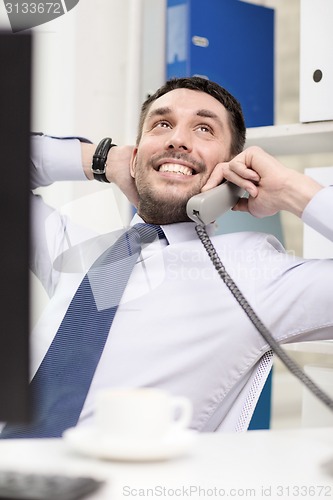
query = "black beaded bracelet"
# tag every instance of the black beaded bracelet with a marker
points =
(98, 165)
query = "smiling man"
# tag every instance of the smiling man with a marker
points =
(177, 326)
(184, 133)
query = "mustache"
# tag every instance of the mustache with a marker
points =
(199, 166)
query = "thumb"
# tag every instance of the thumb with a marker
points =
(241, 205)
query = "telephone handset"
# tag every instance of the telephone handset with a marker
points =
(204, 208)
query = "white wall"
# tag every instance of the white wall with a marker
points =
(88, 71)
(80, 70)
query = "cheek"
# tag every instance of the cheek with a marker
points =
(213, 161)
(209, 169)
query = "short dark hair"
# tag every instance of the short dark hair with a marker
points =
(235, 113)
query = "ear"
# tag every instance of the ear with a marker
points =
(132, 162)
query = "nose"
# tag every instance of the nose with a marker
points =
(179, 139)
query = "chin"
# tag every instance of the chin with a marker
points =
(163, 211)
(164, 204)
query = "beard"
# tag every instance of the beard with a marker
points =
(155, 208)
(167, 204)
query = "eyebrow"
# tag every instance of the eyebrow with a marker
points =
(204, 113)
(159, 112)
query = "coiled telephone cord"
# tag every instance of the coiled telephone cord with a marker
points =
(264, 332)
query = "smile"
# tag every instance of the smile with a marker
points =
(177, 169)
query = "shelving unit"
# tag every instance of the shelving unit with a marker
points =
(298, 138)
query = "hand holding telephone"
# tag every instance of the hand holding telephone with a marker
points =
(206, 207)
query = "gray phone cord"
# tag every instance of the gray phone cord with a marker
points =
(276, 348)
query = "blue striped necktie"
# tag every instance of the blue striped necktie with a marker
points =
(61, 383)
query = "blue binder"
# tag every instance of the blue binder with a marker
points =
(230, 42)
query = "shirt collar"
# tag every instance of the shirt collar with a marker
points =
(179, 232)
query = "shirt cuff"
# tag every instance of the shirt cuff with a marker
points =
(318, 212)
(55, 159)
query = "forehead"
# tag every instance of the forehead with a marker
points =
(190, 102)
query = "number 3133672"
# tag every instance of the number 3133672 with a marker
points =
(34, 8)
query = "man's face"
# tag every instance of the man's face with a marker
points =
(185, 134)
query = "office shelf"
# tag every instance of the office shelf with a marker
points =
(298, 138)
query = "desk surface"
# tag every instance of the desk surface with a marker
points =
(256, 464)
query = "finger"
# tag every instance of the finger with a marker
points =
(241, 169)
(249, 185)
(215, 178)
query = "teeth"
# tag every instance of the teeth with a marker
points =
(173, 167)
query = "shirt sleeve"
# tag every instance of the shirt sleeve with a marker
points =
(318, 212)
(55, 159)
(52, 159)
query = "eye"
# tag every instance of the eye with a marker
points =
(162, 124)
(205, 128)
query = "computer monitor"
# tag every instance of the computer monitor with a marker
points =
(15, 92)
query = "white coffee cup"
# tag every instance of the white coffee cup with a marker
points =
(140, 414)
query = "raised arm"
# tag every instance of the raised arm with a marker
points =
(52, 160)
(63, 159)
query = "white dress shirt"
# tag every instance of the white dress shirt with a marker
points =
(178, 327)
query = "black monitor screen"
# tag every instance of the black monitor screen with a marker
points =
(15, 89)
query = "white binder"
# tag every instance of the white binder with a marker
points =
(316, 61)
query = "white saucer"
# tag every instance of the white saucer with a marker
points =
(91, 442)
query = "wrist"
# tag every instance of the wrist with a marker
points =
(87, 151)
(299, 192)
(100, 159)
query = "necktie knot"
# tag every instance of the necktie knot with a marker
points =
(149, 232)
